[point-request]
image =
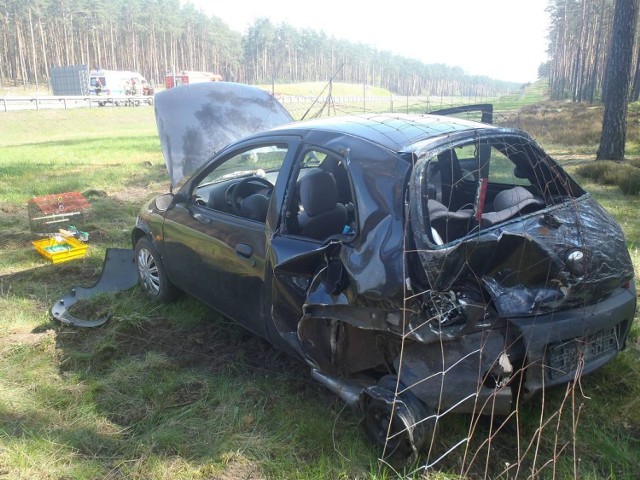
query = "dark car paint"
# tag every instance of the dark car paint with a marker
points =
(345, 305)
(373, 260)
(197, 241)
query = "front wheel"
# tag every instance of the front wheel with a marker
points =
(151, 273)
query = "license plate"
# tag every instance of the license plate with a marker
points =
(564, 357)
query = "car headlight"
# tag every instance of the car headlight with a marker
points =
(576, 262)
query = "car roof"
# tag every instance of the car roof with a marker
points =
(395, 132)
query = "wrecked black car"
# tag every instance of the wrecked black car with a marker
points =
(419, 264)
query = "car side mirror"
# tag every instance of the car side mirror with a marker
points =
(164, 201)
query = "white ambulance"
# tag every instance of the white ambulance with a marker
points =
(120, 83)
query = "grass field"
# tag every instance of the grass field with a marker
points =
(170, 392)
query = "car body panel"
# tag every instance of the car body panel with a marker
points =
(211, 244)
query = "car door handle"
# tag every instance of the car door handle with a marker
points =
(244, 250)
(201, 218)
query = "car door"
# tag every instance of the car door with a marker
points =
(214, 247)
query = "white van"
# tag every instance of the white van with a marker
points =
(119, 83)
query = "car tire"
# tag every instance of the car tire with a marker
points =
(152, 275)
(398, 428)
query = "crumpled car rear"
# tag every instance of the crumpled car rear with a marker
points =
(513, 299)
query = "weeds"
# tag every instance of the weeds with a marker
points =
(624, 175)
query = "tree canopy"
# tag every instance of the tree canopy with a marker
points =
(157, 36)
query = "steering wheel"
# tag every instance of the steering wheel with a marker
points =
(245, 188)
(198, 200)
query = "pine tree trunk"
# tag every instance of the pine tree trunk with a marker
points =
(43, 49)
(34, 56)
(617, 78)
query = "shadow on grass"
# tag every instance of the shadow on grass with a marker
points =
(184, 381)
(161, 382)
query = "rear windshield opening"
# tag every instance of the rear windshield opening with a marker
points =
(482, 183)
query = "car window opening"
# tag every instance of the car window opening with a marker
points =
(242, 185)
(475, 186)
(321, 204)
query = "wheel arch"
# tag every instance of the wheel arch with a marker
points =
(138, 233)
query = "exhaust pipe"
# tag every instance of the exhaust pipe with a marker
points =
(347, 390)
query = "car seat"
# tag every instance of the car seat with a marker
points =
(447, 225)
(321, 214)
(336, 168)
(511, 202)
(450, 175)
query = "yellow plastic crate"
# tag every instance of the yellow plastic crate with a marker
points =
(60, 251)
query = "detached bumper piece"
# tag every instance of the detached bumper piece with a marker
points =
(118, 274)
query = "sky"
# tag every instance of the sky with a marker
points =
(502, 39)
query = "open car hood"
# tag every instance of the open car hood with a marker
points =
(196, 121)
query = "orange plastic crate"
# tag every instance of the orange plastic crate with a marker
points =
(60, 251)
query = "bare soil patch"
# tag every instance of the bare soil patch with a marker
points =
(211, 345)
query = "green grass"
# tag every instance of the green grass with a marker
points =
(166, 392)
(530, 94)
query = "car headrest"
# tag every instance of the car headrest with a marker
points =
(318, 192)
(509, 203)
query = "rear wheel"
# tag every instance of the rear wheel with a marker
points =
(398, 424)
(151, 273)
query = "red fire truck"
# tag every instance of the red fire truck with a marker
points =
(186, 77)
